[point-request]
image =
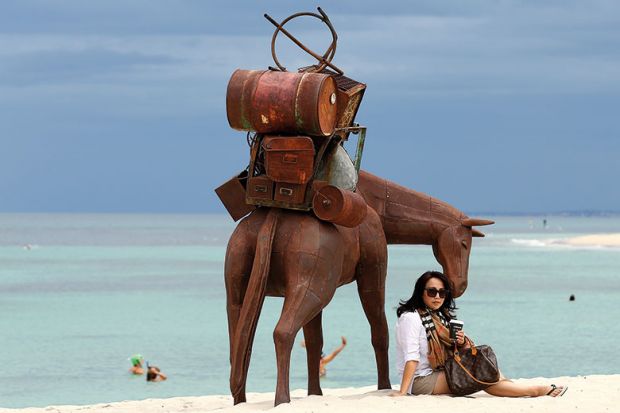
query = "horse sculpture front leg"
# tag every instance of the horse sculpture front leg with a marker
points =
(311, 263)
(298, 308)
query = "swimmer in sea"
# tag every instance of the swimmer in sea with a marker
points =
(327, 359)
(154, 374)
(136, 364)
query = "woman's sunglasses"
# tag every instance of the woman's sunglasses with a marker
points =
(432, 292)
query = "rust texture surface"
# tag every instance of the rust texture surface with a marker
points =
(289, 159)
(260, 187)
(282, 102)
(290, 193)
(339, 206)
(232, 195)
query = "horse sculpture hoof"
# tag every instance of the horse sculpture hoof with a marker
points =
(280, 400)
(238, 400)
(383, 386)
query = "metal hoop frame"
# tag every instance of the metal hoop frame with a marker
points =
(325, 60)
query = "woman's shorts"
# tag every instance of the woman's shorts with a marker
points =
(425, 384)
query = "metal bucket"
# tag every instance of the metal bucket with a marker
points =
(339, 206)
(267, 101)
(337, 169)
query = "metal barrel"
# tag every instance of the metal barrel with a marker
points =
(339, 206)
(267, 101)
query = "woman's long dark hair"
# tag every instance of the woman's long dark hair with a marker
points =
(416, 301)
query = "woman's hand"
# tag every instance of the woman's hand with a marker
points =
(460, 338)
(397, 394)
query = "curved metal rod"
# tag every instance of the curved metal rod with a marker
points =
(327, 56)
(324, 60)
(332, 47)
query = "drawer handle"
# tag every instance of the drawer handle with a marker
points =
(286, 191)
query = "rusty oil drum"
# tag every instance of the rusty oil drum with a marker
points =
(267, 101)
(339, 206)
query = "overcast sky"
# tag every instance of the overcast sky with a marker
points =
(119, 106)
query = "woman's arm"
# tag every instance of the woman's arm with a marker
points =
(410, 367)
(334, 353)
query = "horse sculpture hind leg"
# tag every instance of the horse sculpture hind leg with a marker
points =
(313, 336)
(370, 274)
(238, 267)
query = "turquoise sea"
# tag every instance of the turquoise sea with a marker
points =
(79, 294)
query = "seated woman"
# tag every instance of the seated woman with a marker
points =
(420, 356)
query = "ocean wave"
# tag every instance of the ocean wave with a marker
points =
(589, 241)
(530, 242)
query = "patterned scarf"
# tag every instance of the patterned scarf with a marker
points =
(440, 346)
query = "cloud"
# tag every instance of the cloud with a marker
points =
(90, 65)
(429, 47)
(504, 50)
(503, 82)
(139, 75)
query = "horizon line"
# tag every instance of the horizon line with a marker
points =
(585, 212)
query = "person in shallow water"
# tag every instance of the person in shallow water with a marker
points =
(155, 374)
(330, 357)
(136, 364)
(420, 359)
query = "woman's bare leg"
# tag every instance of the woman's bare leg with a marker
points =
(506, 388)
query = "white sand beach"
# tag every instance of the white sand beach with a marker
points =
(591, 394)
(603, 240)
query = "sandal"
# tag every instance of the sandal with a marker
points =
(554, 388)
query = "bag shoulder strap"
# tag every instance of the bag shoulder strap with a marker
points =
(458, 361)
(474, 351)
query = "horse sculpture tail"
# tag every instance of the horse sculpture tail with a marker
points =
(252, 305)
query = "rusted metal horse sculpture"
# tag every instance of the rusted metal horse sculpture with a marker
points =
(290, 254)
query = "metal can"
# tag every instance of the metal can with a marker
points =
(267, 101)
(339, 206)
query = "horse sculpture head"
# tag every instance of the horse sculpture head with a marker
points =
(452, 247)
(411, 217)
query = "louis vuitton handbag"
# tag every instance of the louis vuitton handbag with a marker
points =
(471, 370)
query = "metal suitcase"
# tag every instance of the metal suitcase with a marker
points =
(260, 188)
(290, 193)
(232, 194)
(289, 159)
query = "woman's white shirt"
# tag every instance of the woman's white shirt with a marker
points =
(411, 344)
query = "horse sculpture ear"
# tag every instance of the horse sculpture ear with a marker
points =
(476, 233)
(476, 222)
